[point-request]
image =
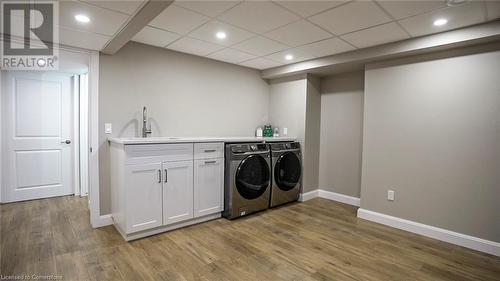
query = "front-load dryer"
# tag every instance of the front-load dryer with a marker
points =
(287, 172)
(247, 181)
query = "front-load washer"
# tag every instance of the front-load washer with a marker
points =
(247, 180)
(287, 172)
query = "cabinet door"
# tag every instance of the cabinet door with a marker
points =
(177, 191)
(208, 186)
(144, 191)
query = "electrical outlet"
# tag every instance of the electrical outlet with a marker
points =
(285, 131)
(108, 128)
(390, 195)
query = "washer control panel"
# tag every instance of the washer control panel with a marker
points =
(285, 146)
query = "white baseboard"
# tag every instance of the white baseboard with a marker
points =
(452, 237)
(308, 195)
(339, 197)
(103, 221)
(329, 195)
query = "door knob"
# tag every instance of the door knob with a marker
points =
(66, 142)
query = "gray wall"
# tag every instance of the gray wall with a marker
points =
(186, 96)
(294, 103)
(312, 133)
(341, 133)
(287, 105)
(432, 134)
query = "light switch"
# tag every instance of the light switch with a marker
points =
(285, 131)
(390, 195)
(108, 128)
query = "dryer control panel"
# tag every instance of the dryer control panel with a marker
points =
(254, 147)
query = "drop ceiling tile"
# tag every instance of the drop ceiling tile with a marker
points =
(309, 8)
(208, 8)
(126, 7)
(82, 39)
(178, 20)
(260, 63)
(493, 9)
(377, 35)
(402, 9)
(102, 21)
(351, 17)
(260, 46)
(258, 16)
(297, 54)
(207, 33)
(230, 55)
(298, 33)
(156, 37)
(194, 46)
(326, 47)
(464, 15)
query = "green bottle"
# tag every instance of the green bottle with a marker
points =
(268, 130)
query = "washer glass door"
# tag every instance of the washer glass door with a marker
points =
(252, 177)
(287, 171)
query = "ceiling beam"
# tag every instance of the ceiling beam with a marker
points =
(473, 35)
(148, 12)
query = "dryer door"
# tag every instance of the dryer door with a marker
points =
(252, 177)
(287, 171)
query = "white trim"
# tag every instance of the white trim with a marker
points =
(452, 237)
(164, 228)
(103, 221)
(1, 135)
(84, 135)
(76, 134)
(354, 201)
(93, 78)
(308, 195)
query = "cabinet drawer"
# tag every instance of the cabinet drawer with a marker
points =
(147, 153)
(208, 150)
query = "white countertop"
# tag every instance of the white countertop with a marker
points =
(151, 140)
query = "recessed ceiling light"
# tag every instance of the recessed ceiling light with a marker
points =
(221, 35)
(82, 18)
(440, 22)
(289, 57)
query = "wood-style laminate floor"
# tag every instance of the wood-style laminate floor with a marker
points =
(315, 240)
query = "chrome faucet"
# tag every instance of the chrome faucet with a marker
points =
(145, 129)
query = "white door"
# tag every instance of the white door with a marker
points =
(208, 186)
(177, 191)
(144, 196)
(38, 155)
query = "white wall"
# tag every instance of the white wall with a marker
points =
(341, 133)
(185, 95)
(432, 134)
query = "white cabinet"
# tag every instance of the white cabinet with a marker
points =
(159, 187)
(208, 186)
(144, 202)
(177, 191)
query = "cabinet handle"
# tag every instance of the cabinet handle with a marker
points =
(159, 176)
(166, 175)
(209, 150)
(210, 162)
